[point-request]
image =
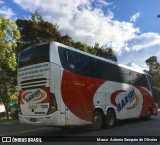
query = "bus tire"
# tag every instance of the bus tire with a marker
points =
(110, 119)
(149, 114)
(97, 122)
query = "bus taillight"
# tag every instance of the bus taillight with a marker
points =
(52, 104)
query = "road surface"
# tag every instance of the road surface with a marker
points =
(127, 128)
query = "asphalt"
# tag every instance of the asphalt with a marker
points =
(6, 122)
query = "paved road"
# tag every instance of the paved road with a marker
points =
(132, 128)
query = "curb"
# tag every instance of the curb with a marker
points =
(7, 122)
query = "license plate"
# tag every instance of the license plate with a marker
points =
(33, 120)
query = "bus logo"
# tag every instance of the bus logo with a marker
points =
(126, 100)
(36, 96)
(33, 96)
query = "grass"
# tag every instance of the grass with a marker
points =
(5, 118)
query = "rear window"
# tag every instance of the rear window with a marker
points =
(34, 55)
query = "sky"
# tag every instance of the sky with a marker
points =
(130, 27)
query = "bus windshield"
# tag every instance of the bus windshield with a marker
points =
(34, 55)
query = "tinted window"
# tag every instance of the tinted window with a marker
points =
(126, 76)
(152, 86)
(85, 65)
(33, 55)
(141, 80)
(88, 66)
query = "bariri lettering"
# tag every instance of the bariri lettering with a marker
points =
(33, 96)
(129, 98)
(36, 95)
(126, 100)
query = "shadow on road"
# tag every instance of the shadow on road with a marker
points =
(132, 121)
(78, 131)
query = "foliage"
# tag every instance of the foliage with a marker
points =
(154, 71)
(9, 35)
(153, 64)
(105, 52)
(37, 30)
(67, 40)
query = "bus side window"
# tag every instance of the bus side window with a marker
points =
(141, 80)
(66, 55)
(134, 77)
(152, 86)
(126, 76)
(70, 59)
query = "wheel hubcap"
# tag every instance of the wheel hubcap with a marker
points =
(110, 120)
(96, 119)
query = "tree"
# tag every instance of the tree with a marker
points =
(9, 35)
(107, 53)
(153, 64)
(36, 17)
(67, 40)
(154, 71)
(36, 31)
(110, 54)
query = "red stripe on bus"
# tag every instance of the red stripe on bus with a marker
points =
(114, 95)
(147, 101)
(78, 92)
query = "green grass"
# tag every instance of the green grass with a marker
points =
(5, 118)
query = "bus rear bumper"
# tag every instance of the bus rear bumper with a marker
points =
(48, 120)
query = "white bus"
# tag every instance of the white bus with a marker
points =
(62, 86)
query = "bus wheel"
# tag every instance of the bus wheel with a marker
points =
(97, 122)
(149, 113)
(110, 119)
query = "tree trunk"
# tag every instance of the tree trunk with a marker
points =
(6, 108)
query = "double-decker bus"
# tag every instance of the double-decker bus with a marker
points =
(62, 86)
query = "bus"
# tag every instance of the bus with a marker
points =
(62, 86)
